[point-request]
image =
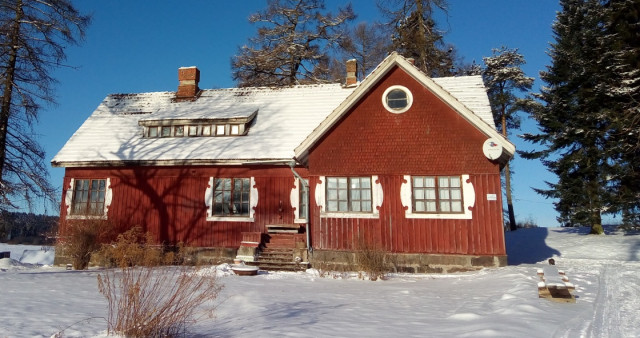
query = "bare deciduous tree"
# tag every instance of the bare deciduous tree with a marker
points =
(32, 44)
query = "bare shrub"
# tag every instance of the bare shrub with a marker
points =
(152, 301)
(82, 239)
(370, 259)
(133, 248)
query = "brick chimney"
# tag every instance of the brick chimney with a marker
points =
(188, 87)
(352, 72)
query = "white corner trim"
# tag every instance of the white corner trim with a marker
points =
(377, 195)
(68, 198)
(294, 198)
(468, 195)
(108, 196)
(253, 198)
(208, 200)
(320, 193)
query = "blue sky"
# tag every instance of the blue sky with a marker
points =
(138, 46)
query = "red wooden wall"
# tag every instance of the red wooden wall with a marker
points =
(428, 139)
(170, 201)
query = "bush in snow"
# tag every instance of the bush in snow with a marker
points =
(370, 259)
(146, 299)
(81, 240)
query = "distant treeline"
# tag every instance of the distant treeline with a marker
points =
(27, 228)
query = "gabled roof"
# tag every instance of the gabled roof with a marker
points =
(462, 94)
(283, 122)
(113, 134)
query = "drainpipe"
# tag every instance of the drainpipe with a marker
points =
(305, 189)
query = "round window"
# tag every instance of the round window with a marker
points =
(397, 99)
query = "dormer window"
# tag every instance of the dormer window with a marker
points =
(237, 125)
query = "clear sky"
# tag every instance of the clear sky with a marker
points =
(138, 46)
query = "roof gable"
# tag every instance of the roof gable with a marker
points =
(484, 122)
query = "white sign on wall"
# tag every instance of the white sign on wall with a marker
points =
(492, 197)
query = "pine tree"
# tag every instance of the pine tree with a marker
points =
(292, 40)
(34, 36)
(574, 119)
(416, 35)
(503, 77)
(621, 62)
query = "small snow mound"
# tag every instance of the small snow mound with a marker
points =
(465, 316)
(41, 257)
(12, 264)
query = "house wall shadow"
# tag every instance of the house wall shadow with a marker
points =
(528, 246)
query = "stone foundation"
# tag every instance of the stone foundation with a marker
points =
(409, 263)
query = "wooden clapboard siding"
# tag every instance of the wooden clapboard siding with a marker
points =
(169, 202)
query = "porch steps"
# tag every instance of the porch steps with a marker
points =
(278, 253)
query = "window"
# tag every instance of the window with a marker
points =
(166, 131)
(349, 194)
(153, 132)
(88, 197)
(231, 197)
(397, 99)
(206, 130)
(235, 129)
(437, 194)
(193, 130)
(220, 130)
(303, 208)
(179, 131)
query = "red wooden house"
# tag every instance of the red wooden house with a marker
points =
(401, 161)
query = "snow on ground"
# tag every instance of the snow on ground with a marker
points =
(40, 300)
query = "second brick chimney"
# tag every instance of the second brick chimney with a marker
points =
(188, 86)
(352, 72)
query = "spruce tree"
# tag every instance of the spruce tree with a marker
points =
(574, 119)
(504, 77)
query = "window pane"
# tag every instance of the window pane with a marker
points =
(444, 194)
(430, 194)
(193, 130)
(456, 206)
(332, 182)
(355, 206)
(342, 183)
(444, 207)
(420, 206)
(366, 206)
(220, 130)
(455, 182)
(166, 131)
(366, 195)
(418, 182)
(418, 194)
(443, 182)
(343, 206)
(431, 206)
(455, 194)
(429, 182)
(332, 194)
(235, 129)
(342, 194)
(332, 206)
(206, 130)
(365, 182)
(153, 131)
(179, 131)
(397, 99)
(355, 194)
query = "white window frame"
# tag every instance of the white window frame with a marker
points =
(377, 197)
(395, 110)
(108, 197)
(468, 199)
(253, 202)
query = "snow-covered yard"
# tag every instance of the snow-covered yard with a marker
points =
(42, 300)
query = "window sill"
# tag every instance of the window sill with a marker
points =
(300, 221)
(98, 217)
(466, 215)
(349, 215)
(229, 219)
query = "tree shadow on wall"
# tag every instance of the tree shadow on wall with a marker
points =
(528, 246)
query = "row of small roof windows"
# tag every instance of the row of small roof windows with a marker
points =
(195, 130)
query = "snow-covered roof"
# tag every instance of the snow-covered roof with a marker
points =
(281, 119)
